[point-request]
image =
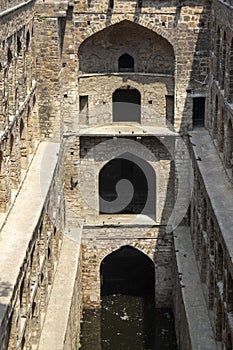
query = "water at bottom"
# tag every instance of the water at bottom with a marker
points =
(128, 323)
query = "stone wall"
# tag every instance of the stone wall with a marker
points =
(96, 152)
(26, 289)
(153, 90)
(182, 30)
(18, 109)
(101, 52)
(211, 230)
(52, 55)
(220, 108)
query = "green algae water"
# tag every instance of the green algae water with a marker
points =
(128, 323)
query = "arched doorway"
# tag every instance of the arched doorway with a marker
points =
(127, 271)
(142, 178)
(126, 105)
(129, 319)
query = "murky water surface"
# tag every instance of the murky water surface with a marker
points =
(128, 323)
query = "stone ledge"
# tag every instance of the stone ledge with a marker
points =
(53, 334)
(130, 129)
(217, 184)
(22, 220)
(200, 330)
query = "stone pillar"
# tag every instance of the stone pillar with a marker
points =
(23, 144)
(21, 69)
(48, 67)
(15, 174)
(4, 185)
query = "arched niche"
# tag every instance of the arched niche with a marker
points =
(100, 52)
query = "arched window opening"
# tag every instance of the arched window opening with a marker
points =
(204, 265)
(50, 266)
(204, 215)
(9, 56)
(229, 158)
(14, 174)
(126, 105)
(27, 40)
(127, 271)
(229, 342)
(231, 74)
(126, 63)
(220, 263)
(30, 131)
(19, 45)
(198, 111)
(218, 54)
(1, 163)
(211, 290)
(23, 145)
(221, 131)
(219, 322)
(23, 297)
(34, 101)
(229, 293)
(215, 124)
(127, 186)
(211, 237)
(10, 82)
(198, 242)
(223, 63)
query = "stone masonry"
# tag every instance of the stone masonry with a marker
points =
(64, 67)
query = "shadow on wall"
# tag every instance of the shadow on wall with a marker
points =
(101, 52)
(5, 291)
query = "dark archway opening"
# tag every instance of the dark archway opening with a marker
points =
(126, 63)
(126, 105)
(142, 178)
(127, 271)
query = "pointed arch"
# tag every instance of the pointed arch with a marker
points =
(106, 44)
(23, 144)
(223, 61)
(229, 158)
(204, 264)
(129, 271)
(231, 73)
(126, 63)
(219, 321)
(218, 55)
(221, 130)
(135, 172)
(93, 28)
(211, 290)
(215, 122)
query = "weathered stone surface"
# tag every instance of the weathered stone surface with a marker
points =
(59, 70)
